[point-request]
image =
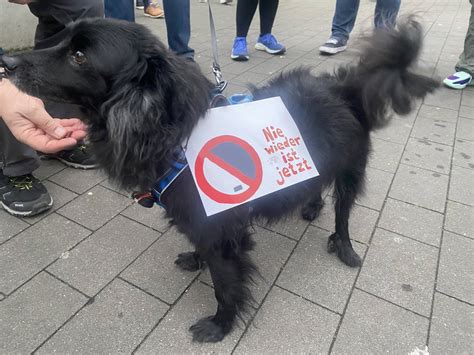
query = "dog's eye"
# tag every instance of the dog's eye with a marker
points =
(79, 57)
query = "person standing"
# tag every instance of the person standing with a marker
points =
(266, 41)
(386, 12)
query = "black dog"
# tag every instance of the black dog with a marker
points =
(143, 102)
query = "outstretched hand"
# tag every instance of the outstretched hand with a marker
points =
(29, 122)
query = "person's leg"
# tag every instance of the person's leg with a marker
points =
(178, 26)
(244, 15)
(268, 10)
(120, 9)
(466, 59)
(386, 12)
(266, 41)
(344, 18)
(342, 25)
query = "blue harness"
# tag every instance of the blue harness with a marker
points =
(177, 166)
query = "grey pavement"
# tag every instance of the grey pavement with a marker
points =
(96, 275)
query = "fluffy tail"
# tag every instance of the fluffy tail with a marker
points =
(382, 80)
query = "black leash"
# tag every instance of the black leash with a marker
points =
(216, 68)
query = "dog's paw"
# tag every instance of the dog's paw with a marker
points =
(207, 331)
(311, 211)
(344, 252)
(189, 261)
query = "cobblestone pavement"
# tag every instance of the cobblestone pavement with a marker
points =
(96, 274)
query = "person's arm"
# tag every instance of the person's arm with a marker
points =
(29, 122)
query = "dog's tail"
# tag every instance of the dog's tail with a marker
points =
(383, 80)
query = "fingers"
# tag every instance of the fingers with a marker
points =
(54, 146)
(44, 121)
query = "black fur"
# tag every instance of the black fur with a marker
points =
(143, 101)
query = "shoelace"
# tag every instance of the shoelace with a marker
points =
(270, 39)
(22, 182)
(240, 45)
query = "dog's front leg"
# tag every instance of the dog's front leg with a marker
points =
(231, 269)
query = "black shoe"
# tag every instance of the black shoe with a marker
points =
(333, 45)
(24, 195)
(79, 157)
(140, 5)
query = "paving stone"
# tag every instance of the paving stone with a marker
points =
(459, 186)
(466, 111)
(95, 208)
(397, 131)
(292, 226)
(78, 180)
(126, 316)
(468, 97)
(434, 130)
(155, 272)
(465, 129)
(35, 248)
(377, 183)
(60, 196)
(385, 155)
(96, 261)
(455, 276)
(317, 275)
(249, 78)
(34, 312)
(108, 184)
(460, 219)
(427, 155)
(361, 220)
(271, 252)
(10, 226)
(444, 97)
(451, 326)
(412, 221)
(400, 270)
(420, 187)
(289, 324)
(237, 68)
(172, 335)
(151, 217)
(464, 153)
(271, 66)
(438, 113)
(47, 168)
(374, 326)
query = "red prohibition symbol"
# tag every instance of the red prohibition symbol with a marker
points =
(236, 157)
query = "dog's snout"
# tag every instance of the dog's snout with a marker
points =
(9, 63)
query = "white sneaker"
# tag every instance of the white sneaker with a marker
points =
(225, 2)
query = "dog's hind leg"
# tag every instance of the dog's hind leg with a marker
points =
(346, 188)
(314, 206)
(189, 261)
(231, 271)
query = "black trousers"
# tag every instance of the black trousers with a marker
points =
(53, 15)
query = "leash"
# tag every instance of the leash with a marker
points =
(216, 68)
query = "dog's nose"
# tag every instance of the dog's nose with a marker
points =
(9, 63)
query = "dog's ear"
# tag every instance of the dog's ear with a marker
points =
(150, 115)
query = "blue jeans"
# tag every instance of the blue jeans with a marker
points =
(120, 9)
(346, 12)
(178, 26)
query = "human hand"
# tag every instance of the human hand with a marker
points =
(29, 122)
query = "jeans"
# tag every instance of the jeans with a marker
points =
(466, 59)
(178, 26)
(120, 9)
(346, 12)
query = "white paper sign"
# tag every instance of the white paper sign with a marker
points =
(239, 153)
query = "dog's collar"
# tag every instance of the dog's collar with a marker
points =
(177, 166)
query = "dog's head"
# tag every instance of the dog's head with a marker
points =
(142, 100)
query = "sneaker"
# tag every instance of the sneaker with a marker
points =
(333, 46)
(24, 195)
(269, 44)
(154, 11)
(458, 80)
(239, 49)
(140, 5)
(79, 158)
(225, 2)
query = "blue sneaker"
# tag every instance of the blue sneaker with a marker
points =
(269, 44)
(239, 49)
